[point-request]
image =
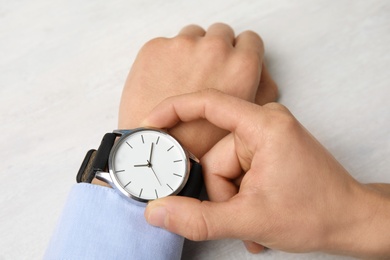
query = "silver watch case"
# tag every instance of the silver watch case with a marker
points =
(110, 178)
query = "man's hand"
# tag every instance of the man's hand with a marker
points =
(271, 182)
(194, 60)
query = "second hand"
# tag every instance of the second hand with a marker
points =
(151, 167)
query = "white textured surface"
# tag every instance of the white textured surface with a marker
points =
(63, 64)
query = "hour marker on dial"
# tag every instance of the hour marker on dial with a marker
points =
(170, 148)
(169, 186)
(177, 175)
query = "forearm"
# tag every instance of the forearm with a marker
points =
(381, 187)
(377, 237)
(366, 231)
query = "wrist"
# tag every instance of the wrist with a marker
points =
(362, 229)
(100, 183)
(377, 233)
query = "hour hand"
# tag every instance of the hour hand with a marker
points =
(141, 165)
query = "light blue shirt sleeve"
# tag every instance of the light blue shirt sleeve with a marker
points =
(98, 223)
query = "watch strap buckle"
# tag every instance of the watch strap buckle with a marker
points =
(96, 160)
(86, 172)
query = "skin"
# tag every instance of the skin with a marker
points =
(275, 183)
(193, 60)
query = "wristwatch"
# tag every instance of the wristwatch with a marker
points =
(143, 164)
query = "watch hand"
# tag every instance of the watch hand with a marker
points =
(154, 173)
(150, 156)
(142, 165)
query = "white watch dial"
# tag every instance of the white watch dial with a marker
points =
(149, 164)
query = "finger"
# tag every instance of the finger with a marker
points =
(253, 247)
(220, 109)
(196, 220)
(221, 30)
(249, 41)
(192, 30)
(221, 171)
(267, 91)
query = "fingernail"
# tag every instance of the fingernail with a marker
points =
(157, 217)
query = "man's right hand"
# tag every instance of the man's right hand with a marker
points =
(270, 181)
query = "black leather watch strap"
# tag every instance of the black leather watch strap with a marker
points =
(96, 160)
(195, 182)
(103, 152)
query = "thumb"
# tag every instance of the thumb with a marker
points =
(194, 219)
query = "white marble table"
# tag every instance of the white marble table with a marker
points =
(63, 64)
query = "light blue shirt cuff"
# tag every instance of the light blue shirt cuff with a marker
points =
(98, 223)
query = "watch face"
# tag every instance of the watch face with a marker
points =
(148, 164)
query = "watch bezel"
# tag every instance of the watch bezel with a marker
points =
(123, 137)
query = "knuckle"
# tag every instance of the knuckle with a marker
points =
(277, 107)
(287, 123)
(193, 26)
(205, 225)
(155, 43)
(180, 43)
(281, 117)
(254, 35)
(183, 41)
(220, 24)
(197, 233)
(200, 230)
(215, 46)
(209, 95)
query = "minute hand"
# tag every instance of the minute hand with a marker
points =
(151, 152)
